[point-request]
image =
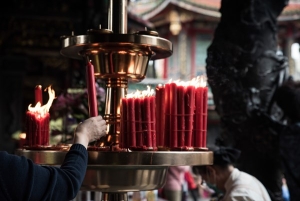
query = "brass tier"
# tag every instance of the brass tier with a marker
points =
(115, 172)
(117, 55)
(75, 46)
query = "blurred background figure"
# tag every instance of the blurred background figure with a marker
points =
(173, 188)
(233, 183)
(206, 193)
(285, 191)
(287, 97)
(193, 187)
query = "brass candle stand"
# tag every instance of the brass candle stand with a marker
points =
(120, 58)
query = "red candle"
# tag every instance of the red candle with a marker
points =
(167, 115)
(147, 115)
(204, 117)
(37, 129)
(173, 112)
(45, 129)
(38, 94)
(124, 127)
(131, 120)
(198, 116)
(138, 121)
(189, 111)
(160, 114)
(181, 115)
(91, 88)
(153, 122)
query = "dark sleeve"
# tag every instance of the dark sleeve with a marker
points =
(21, 179)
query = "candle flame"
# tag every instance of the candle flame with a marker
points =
(42, 110)
(199, 81)
(148, 92)
(141, 94)
(22, 135)
(202, 81)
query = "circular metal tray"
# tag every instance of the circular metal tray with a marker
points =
(124, 171)
(115, 158)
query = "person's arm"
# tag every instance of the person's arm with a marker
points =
(21, 179)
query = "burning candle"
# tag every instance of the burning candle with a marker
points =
(131, 122)
(124, 129)
(167, 115)
(37, 122)
(153, 122)
(160, 114)
(204, 117)
(91, 88)
(189, 113)
(173, 114)
(138, 116)
(198, 118)
(181, 116)
(138, 119)
(147, 119)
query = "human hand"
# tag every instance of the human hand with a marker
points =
(90, 130)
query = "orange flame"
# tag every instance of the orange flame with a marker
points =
(42, 110)
(141, 94)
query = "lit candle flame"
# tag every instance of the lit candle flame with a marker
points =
(42, 110)
(141, 94)
(22, 135)
(199, 81)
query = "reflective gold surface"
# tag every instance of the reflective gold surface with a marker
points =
(116, 89)
(115, 62)
(124, 178)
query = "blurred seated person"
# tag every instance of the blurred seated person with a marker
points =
(235, 184)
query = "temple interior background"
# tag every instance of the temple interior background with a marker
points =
(30, 53)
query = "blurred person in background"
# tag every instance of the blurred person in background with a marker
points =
(233, 183)
(193, 188)
(287, 97)
(173, 188)
(285, 191)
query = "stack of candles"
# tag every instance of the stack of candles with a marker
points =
(138, 121)
(37, 119)
(181, 115)
(174, 119)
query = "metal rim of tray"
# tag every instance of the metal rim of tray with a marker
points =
(72, 46)
(114, 158)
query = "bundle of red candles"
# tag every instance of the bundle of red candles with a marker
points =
(174, 119)
(37, 119)
(138, 121)
(184, 105)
